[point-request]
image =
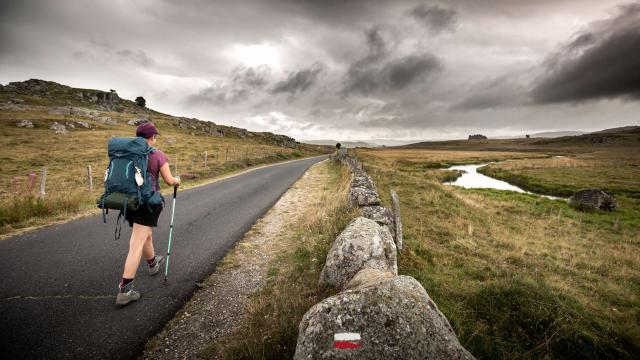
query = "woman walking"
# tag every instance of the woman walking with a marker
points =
(142, 221)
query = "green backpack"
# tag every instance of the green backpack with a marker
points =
(127, 185)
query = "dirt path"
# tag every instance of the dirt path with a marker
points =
(215, 310)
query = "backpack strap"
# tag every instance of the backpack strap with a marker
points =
(139, 187)
(116, 235)
(104, 212)
(123, 215)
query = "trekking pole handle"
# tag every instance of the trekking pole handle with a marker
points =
(175, 188)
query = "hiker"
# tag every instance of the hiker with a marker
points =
(143, 220)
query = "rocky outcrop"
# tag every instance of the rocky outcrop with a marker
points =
(388, 318)
(362, 244)
(58, 128)
(83, 112)
(77, 124)
(105, 120)
(67, 101)
(25, 124)
(54, 91)
(593, 199)
(138, 121)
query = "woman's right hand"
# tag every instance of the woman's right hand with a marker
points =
(176, 181)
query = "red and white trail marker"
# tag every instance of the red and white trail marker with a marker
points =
(346, 340)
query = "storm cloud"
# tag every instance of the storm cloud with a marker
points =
(243, 82)
(389, 68)
(502, 91)
(435, 18)
(378, 71)
(298, 81)
(602, 61)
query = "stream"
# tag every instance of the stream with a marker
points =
(472, 179)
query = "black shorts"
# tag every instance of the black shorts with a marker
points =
(142, 216)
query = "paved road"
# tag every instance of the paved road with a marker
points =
(58, 284)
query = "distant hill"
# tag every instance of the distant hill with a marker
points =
(373, 143)
(57, 99)
(556, 134)
(628, 136)
(345, 144)
(618, 129)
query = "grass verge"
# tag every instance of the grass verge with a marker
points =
(269, 329)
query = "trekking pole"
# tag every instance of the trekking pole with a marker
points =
(173, 210)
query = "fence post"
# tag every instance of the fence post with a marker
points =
(396, 219)
(226, 154)
(205, 159)
(176, 165)
(32, 182)
(43, 181)
(90, 176)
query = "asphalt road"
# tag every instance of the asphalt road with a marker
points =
(59, 284)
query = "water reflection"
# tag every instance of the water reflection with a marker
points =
(472, 179)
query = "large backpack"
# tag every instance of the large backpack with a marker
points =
(127, 185)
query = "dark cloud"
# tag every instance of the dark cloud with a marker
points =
(377, 72)
(393, 75)
(406, 71)
(298, 81)
(104, 49)
(503, 91)
(243, 82)
(136, 56)
(434, 17)
(602, 61)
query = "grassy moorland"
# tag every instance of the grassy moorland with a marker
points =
(26, 151)
(518, 275)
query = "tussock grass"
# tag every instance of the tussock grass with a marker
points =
(24, 211)
(518, 275)
(269, 329)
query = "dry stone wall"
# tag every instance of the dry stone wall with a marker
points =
(378, 314)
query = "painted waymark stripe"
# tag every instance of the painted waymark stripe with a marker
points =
(346, 340)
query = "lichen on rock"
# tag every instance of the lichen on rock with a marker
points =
(395, 319)
(362, 244)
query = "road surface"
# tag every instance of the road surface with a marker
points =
(59, 283)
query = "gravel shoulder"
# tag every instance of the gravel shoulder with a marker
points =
(216, 309)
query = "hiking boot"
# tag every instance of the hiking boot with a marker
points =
(123, 298)
(155, 268)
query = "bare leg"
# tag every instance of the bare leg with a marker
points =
(147, 250)
(139, 236)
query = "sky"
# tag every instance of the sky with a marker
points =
(340, 69)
